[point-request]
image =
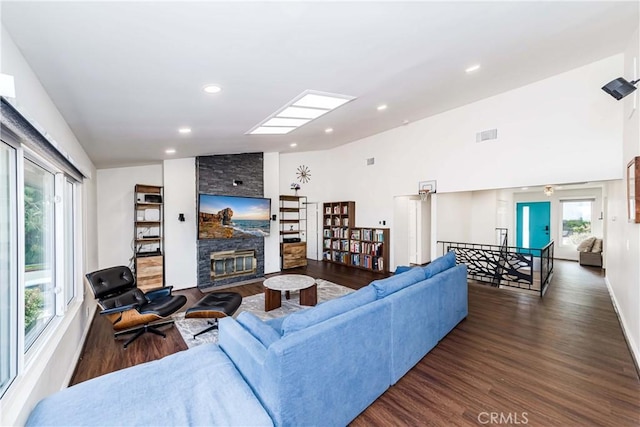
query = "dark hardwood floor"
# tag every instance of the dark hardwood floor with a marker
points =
(517, 359)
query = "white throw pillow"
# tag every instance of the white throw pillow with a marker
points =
(586, 244)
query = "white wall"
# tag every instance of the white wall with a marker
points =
(453, 215)
(547, 132)
(271, 168)
(52, 367)
(180, 238)
(622, 247)
(116, 210)
(483, 216)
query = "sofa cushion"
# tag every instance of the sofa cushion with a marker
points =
(305, 318)
(402, 269)
(586, 244)
(259, 329)
(393, 284)
(597, 246)
(441, 264)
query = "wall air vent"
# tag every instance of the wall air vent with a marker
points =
(487, 135)
(371, 161)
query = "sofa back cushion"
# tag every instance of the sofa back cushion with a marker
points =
(262, 331)
(305, 318)
(441, 264)
(393, 284)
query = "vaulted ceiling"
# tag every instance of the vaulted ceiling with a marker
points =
(127, 75)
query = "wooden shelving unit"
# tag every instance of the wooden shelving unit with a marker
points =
(344, 243)
(148, 236)
(293, 227)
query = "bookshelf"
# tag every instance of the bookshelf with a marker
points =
(148, 236)
(344, 243)
(293, 226)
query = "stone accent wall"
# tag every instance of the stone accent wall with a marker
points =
(215, 175)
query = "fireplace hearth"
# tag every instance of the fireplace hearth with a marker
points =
(226, 264)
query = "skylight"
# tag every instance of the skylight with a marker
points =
(307, 106)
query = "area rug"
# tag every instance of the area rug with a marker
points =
(255, 305)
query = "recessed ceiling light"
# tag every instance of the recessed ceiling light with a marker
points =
(271, 130)
(472, 68)
(279, 121)
(293, 144)
(212, 88)
(170, 151)
(184, 130)
(307, 106)
(328, 130)
(382, 107)
(301, 113)
(325, 102)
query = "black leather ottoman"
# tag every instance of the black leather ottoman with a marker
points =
(214, 306)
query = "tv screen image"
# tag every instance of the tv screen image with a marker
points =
(225, 217)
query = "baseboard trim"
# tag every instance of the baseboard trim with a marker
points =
(80, 348)
(633, 349)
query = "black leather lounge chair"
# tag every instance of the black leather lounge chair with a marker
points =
(130, 310)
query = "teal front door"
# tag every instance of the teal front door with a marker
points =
(533, 221)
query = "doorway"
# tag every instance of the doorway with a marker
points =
(533, 221)
(411, 230)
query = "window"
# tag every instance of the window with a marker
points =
(8, 267)
(576, 221)
(39, 261)
(69, 241)
(39, 278)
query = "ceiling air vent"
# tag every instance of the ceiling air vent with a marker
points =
(487, 135)
(371, 161)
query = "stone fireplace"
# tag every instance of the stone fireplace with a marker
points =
(233, 263)
(217, 175)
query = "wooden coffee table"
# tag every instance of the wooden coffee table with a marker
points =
(274, 286)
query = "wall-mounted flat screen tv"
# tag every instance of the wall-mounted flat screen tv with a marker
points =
(226, 217)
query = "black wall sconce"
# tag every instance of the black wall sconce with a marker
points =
(236, 182)
(620, 87)
(181, 217)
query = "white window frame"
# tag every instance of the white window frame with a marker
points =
(561, 215)
(14, 270)
(25, 358)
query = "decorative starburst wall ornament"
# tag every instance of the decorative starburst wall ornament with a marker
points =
(304, 174)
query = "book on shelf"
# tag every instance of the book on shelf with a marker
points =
(355, 234)
(326, 232)
(345, 222)
(344, 245)
(379, 236)
(327, 243)
(327, 210)
(355, 260)
(336, 210)
(345, 210)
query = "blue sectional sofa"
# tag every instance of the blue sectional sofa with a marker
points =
(319, 366)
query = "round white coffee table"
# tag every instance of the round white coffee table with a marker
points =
(274, 286)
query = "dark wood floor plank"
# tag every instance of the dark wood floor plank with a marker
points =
(561, 360)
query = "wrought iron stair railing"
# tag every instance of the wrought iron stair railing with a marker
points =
(503, 265)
